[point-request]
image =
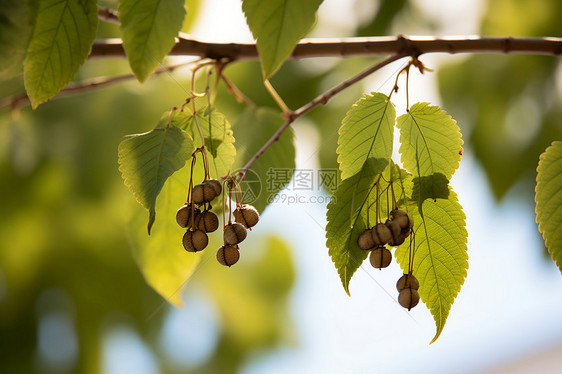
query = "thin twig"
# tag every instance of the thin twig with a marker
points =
(321, 99)
(18, 101)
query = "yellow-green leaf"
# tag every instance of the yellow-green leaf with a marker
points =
(440, 254)
(149, 30)
(277, 26)
(346, 219)
(430, 141)
(548, 197)
(366, 132)
(147, 160)
(217, 133)
(61, 40)
(163, 261)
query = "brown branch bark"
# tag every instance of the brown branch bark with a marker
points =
(350, 47)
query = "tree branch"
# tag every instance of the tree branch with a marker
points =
(321, 99)
(18, 101)
(350, 47)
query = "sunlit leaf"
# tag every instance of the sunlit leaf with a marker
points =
(367, 132)
(60, 42)
(440, 254)
(193, 10)
(14, 33)
(147, 160)
(217, 133)
(163, 261)
(549, 200)
(149, 29)
(274, 169)
(430, 141)
(277, 26)
(346, 219)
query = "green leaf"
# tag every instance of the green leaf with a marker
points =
(366, 132)
(149, 29)
(346, 219)
(60, 42)
(165, 265)
(440, 254)
(277, 26)
(274, 169)
(147, 160)
(548, 196)
(14, 33)
(219, 141)
(430, 141)
(193, 10)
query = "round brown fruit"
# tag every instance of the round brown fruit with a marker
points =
(195, 241)
(380, 257)
(203, 193)
(365, 240)
(407, 281)
(215, 185)
(228, 255)
(381, 234)
(207, 221)
(246, 215)
(404, 220)
(234, 233)
(408, 298)
(183, 216)
(398, 235)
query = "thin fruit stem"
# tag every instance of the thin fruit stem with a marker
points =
(377, 207)
(407, 88)
(230, 203)
(190, 188)
(223, 204)
(195, 109)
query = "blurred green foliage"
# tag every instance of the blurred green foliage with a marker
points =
(508, 106)
(64, 205)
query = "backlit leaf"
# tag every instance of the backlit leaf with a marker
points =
(147, 160)
(548, 196)
(61, 40)
(163, 261)
(367, 132)
(217, 133)
(347, 219)
(14, 33)
(277, 26)
(430, 141)
(149, 30)
(440, 254)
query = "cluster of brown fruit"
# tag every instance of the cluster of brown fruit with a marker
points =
(393, 232)
(198, 223)
(201, 222)
(407, 287)
(246, 217)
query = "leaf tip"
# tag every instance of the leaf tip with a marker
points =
(151, 219)
(437, 334)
